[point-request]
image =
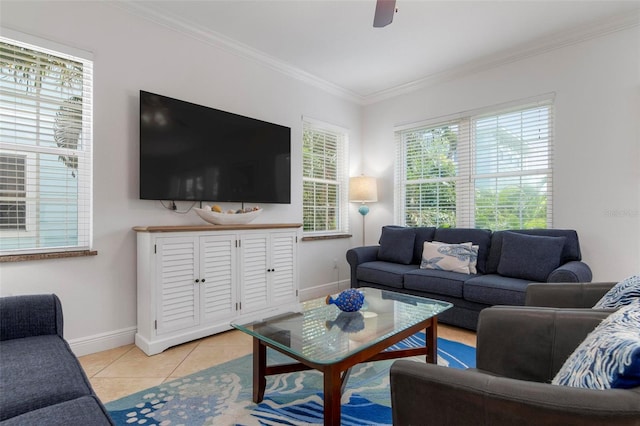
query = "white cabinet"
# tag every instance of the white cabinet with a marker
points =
(193, 281)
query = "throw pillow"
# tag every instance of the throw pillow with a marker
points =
(621, 294)
(396, 245)
(529, 257)
(473, 262)
(447, 257)
(610, 355)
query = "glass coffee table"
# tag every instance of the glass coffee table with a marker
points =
(323, 338)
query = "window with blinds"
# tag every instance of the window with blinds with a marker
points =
(488, 169)
(45, 149)
(324, 179)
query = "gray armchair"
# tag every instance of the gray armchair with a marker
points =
(519, 351)
(566, 295)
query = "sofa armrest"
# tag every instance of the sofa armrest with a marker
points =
(358, 255)
(530, 343)
(566, 295)
(431, 394)
(30, 315)
(571, 272)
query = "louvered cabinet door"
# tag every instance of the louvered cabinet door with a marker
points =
(282, 277)
(177, 291)
(253, 272)
(219, 269)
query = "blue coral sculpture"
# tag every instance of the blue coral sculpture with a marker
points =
(350, 300)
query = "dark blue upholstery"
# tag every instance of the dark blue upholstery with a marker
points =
(495, 289)
(529, 257)
(387, 273)
(570, 251)
(435, 281)
(396, 245)
(39, 374)
(468, 293)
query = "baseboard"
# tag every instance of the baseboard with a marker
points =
(126, 336)
(324, 290)
(103, 341)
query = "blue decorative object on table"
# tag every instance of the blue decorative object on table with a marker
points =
(349, 300)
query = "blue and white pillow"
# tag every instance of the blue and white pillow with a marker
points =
(621, 294)
(610, 355)
(449, 257)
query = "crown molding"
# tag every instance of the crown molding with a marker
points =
(550, 43)
(540, 46)
(234, 47)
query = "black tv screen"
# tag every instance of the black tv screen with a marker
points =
(195, 153)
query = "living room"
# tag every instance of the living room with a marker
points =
(596, 156)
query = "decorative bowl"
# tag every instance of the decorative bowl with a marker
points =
(227, 218)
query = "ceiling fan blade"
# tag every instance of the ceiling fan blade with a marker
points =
(384, 13)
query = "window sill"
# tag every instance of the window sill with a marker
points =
(43, 256)
(326, 237)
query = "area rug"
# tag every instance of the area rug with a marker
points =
(221, 395)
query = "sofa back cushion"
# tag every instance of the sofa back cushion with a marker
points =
(422, 234)
(396, 244)
(479, 237)
(529, 257)
(570, 250)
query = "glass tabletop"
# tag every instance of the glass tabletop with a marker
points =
(323, 334)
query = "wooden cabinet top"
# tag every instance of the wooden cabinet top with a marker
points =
(191, 228)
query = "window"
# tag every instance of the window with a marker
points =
(487, 169)
(45, 148)
(13, 208)
(324, 179)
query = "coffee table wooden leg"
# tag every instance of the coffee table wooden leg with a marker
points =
(259, 370)
(332, 396)
(431, 340)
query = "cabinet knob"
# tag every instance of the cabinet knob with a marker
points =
(204, 279)
(197, 280)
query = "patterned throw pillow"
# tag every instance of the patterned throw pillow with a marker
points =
(448, 257)
(610, 355)
(621, 294)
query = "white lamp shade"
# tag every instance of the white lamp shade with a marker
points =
(363, 189)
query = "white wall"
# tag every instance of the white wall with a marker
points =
(597, 139)
(99, 293)
(596, 161)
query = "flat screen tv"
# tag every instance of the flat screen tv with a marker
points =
(195, 153)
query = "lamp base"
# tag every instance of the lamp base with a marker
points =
(363, 210)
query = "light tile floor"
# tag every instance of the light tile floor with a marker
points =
(125, 370)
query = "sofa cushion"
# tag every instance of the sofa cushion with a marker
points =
(448, 257)
(529, 257)
(623, 293)
(570, 251)
(479, 237)
(434, 281)
(396, 244)
(85, 410)
(495, 290)
(422, 234)
(609, 357)
(43, 371)
(385, 273)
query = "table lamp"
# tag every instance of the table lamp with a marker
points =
(363, 189)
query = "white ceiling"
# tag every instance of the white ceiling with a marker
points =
(333, 43)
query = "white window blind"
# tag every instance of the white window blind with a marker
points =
(324, 179)
(483, 169)
(45, 149)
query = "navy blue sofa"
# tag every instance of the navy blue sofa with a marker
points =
(41, 380)
(507, 262)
